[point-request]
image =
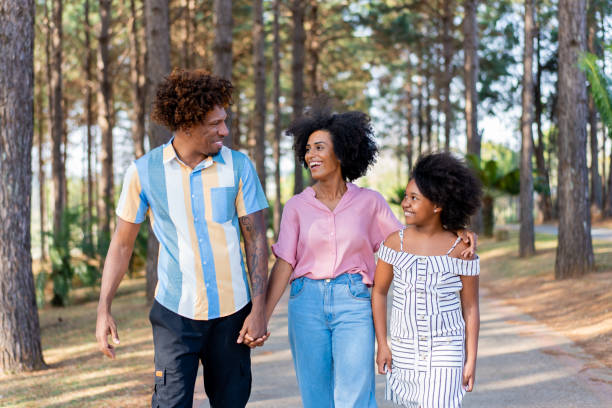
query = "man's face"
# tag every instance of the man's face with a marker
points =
(207, 137)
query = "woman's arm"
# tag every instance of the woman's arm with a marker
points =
(279, 278)
(382, 280)
(471, 315)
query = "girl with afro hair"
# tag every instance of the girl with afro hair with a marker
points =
(326, 244)
(435, 316)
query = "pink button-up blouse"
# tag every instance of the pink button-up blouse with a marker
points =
(322, 244)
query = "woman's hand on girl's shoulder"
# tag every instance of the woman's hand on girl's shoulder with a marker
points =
(468, 245)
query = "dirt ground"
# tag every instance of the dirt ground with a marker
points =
(581, 308)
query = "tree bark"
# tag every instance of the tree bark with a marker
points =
(20, 347)
(470, 31)
(575, 250)
(105, 123)
(544, 197)
(277, 119)
(222, 48)
(158, 66)
(447, 52)
(596, 187)
(89, 125)
(313, 46)
(41, 170)
(259, 67)
(57, 117)
(298, 39)
(138, 84)
(526, 231)
(409, 119)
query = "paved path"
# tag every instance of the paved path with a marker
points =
(604, 234)
(521, 363)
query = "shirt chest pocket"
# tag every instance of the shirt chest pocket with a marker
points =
(223, 200)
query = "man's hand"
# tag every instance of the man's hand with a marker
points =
(253, 332)
(470, 238)
(105, 325)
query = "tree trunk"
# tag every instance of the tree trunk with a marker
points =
(420, 116)
(41, 168)
(595, 190)
(313, 46)
(222, 48)
(89, 125)
(105, 123)
(544, 197)
(428, 119)
(298, 39)
(277, 120)
(409, 109)
(575, 249)
(158, 66)
(56, 120)
(447, 52)
(526, 231)
(488, 215)
(470, 31)
(138, 84)
(259, 67)
(19, 326)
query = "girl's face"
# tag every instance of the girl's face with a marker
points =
(417, 208)
(320, 156)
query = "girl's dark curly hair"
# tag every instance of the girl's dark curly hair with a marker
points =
(351, 134)
(185, 97)
(449, 183)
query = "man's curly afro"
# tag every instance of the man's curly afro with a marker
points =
(185, 97)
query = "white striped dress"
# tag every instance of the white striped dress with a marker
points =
(427, 328)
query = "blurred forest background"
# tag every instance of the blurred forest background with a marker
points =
(522, 89)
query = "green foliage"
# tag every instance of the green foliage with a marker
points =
(494, 180)
(40, 284)
(600, 88)
(62, 270)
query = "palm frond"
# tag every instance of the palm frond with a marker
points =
(600, 89)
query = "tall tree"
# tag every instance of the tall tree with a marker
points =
(313, 46)
(544, 198)
(298, 39)
(447, 53)
(89, 59)
(105, 121)
(158, 66)
(575, 249)
(470, 49)
(58, 169)
(137, 82)
(259, 67)
(222, 47)
(277, 117)
(596, 186)
(526, 232)
(19, 325)
(470, 67)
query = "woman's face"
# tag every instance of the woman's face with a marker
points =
(320, 157)
(417, 208)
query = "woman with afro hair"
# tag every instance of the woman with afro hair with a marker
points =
(326, 244)
(434, 330)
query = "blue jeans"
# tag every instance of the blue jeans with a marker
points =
(332, 341)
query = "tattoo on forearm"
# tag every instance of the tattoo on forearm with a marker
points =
(255, 245)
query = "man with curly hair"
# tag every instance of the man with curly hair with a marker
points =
(200, 197)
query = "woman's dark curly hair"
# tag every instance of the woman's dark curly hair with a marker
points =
(449, 183)
(351, 134)
(185, 97)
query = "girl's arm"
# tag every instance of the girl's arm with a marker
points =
(277, 282)
(471, 315)
(382, 280)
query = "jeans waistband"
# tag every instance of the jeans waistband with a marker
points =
(340, 279)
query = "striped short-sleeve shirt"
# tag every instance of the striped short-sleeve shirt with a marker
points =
(194, 215)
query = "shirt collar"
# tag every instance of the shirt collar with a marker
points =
(170, 153)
